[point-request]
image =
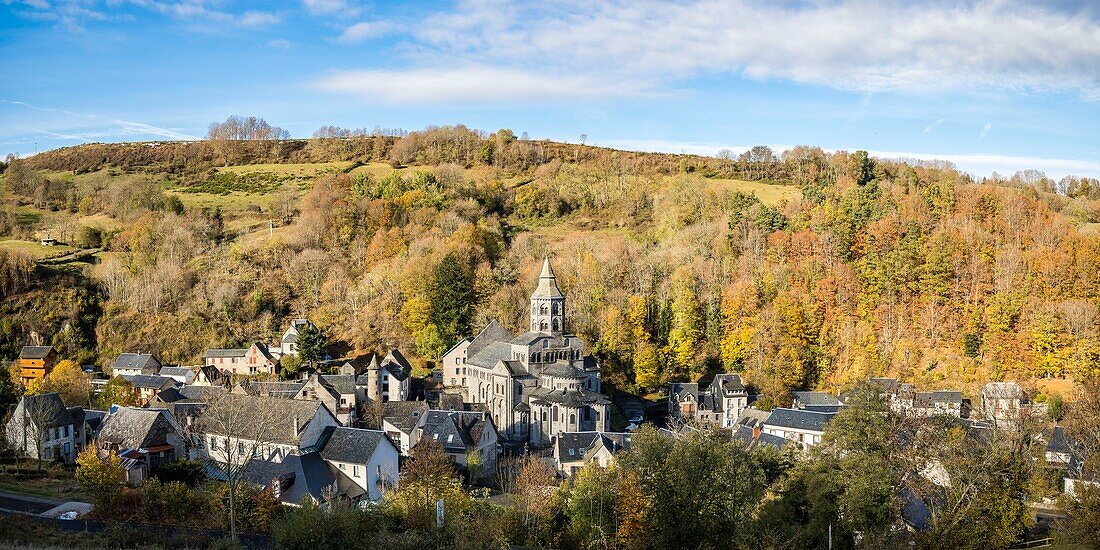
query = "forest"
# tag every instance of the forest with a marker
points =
(800, 269)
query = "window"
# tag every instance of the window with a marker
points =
(341, 466)
(355, 471)
(213, 443)
(571, 452)
(572, 418)
(240, 447)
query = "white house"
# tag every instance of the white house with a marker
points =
(402, 421)
(300, 427)
(182, 375)
(802, 426)
(288, 344)
(454, 364)
(133, 364)
(42, 427)
(367, 457)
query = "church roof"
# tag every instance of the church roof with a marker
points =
(548, 283)
(492, 333)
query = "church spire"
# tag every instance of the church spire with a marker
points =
(548, 303)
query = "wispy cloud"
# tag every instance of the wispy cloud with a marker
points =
(928, 129)
(468, 84)
(91, 127)
(985, 131)
(365, 30)
(75, 15)
(280, 43)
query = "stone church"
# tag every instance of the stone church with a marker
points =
(535, 385)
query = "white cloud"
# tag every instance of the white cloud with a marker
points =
(467, 84)
(280, 43)
(928, 129)
(258, 19)
(985, 131)
(845, 44)
(365, 30)
(329, 7)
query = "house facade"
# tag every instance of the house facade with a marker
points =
(41, 426)
(402, 422)
(802, 426)
(144, 439)
(35, 363)
(462, 433)
(540, 383)
(133, 364)
(254, 360)
(572, 450)
(288, 427)
(720, 404)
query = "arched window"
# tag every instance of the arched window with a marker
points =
(556, 324)
(543, 309)
(572, 418)
(542, 324)
(555, 308)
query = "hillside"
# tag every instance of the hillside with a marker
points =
(809, 270)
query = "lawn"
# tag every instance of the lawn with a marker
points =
(234, 203)
(304, 170)
(59, 483)
(38, 251)
(768, 193)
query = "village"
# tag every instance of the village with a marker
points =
(342, 429)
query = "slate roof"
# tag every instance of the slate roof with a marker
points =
(744, 435)
(46, 411)
(823, 408)
(404, 415)
(578, 446)
(1058, 442)
(350, 445)
(814, 398)
(266, 388)
(149, 381)
(569, 398)
(303, 475)
(455, 430)
(730, 383)
(342, 383)
(288, 410)
(799, 419)
(562, 369)
(145, 362)
(682, 390)
(200, 393)
(528, 338)
(548, 283)
(35, 352)
(170, 395)
(926, 400)
(488, 356)
(176, 371)
(134, 428)
(492, 333)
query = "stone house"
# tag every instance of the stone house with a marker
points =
(386, 379)
(144, 439)
(461, 433)
(572, 450)
(402, 421)
(720, 404)
(41, 426)
(182, 375)
(147, 386)
(303, 422)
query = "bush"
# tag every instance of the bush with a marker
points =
(189, 472)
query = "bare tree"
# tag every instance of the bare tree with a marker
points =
(235, 432)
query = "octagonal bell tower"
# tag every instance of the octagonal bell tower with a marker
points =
(548, 303)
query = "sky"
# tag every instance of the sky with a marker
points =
(1000, 85)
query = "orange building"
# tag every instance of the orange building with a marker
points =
(36, 362)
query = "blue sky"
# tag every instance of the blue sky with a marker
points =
(1000, 85)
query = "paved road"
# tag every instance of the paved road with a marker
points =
(27, 504)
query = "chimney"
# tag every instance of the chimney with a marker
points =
(296, 426)
(756, 431)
